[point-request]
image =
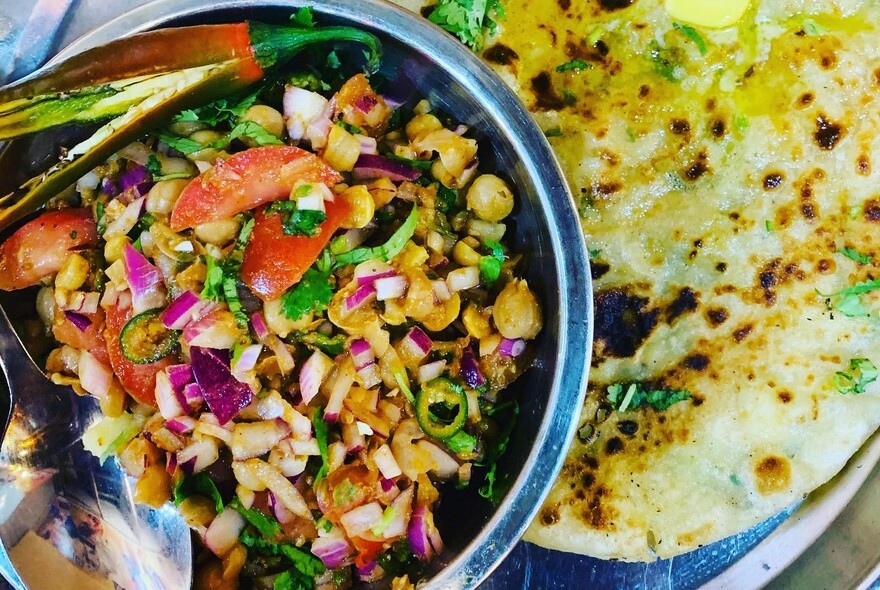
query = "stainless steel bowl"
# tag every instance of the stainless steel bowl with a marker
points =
(545, 228)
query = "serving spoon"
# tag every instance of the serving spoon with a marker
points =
(66, 521)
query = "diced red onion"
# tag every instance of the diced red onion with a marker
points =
(301, 107)
(441, 291)
(366, 103)
(370, 572)
(368, 144)
(390, 288)
(215, 330)
(360, 296)
(333, 550)
(180, 375)
(312, 374)
(386, 484)
(258, 324)
(199, 455)
(361, 519)
(166, 398)
(416, 344)
(144, 281)
(386, 463)
(352, 437)
(181, 425)
(223, 533)
(366, 273)
(470, 371)
(224, 394)
(186, 308)
(370, 166)
(431, 371)
(512, 348)
(82, 302)
(78, 320)
(247, 360)
(361, 353)
(109, 187)
(171, 463)
(94, 376)
(337, 395)
(424, 539)
(136, 177)
(193, 395)
(282, 514)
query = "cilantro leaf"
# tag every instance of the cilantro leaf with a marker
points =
(184, 145)
(856, 256)
(490, 265)
(636, 396)
(101, 217)
(423, 165)
(321, 432)
(250, 130)
(268, 526)
(296, 221)
(862, 373)
(199, 484)
(293, 580)
(303, 18)
(487, 490)
(461, 442)
(813, 29)
(693, 35)
(849, 301)
(312, 293)
(350, 128)
(575, 65)
(213, 289)
(221, 278)
(466, 19)
(665, 60)
(154, 166)
(389, 249)
(219, 111)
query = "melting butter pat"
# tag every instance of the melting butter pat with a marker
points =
(714, 14)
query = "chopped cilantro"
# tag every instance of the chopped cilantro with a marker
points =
(184, 145)
(595, 253)
(447, 199)
(311, 294)
(220, 111)
(856, 256)
(553, 132)
(768, 225)
(636, 396)
(296, 221)
(461, 443)
(665, 60)
(742, 123)
(221, 277)
(389, 249)
(303, 18)
(333, 61)
(321, 432)
(213, 289)
(331, 346)
(423, 165)
(862, 372)
(268, 526)
(350, 128)
(466, 19)
(487, 490)
(490, 265)
(293, 580)
(199, 484)
(250, 130)
(735, 480)
(495, 450)
(812, 28)
(693, 35)
(575, 65)
(849, 301)
(154, 166)
(308, 81)
(100, 214)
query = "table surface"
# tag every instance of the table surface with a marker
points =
(824, 565)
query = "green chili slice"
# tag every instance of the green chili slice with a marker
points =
(144, 339)
(441, 408)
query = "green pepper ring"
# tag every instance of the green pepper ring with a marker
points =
(132, 339)
(438, 391)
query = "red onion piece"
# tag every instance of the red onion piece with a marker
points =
(368, 145)
(247, 360)
(144, 281)
(417, 533)
(352, 437)
(312, 374)
(416, 344)
(390, 288)
(366, 273)
(109, 187)
(361, 519)
(512, 348)
(78, 320)
(181, 425)
(370, 166)
(171, 463)
(186, 308)
(214, 330)
(282, 514)
(224, 394)
(361, 296)
(332, 550)
(193, 395)
(301, 107)
(470, 370)
(136, 177)
(361, 354)
(386, 484)
(180, 375)
(258, 324)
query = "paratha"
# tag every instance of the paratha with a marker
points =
(727, 182)
(720, 174)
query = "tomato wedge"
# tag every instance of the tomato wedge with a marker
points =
(90, 339)
(39, 248)
(273, 262)
(247, 180)
(138, 380)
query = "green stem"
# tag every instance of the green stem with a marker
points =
(274, 45)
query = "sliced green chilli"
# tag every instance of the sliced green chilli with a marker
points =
(441, 408)
(144, 339)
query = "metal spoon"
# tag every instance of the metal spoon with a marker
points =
(65, 520)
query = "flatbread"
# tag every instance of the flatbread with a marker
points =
(716, 191)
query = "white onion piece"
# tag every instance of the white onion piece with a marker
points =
(95, 377)
(444, 465)
(340, 390)
(252, 439)
(284, 491)
(223, 533)
(166, 398)
(301, 107)
(125, 222)
(431, 371)
(402, 509)
(361, 519)
(384, 460)
(198, 456)
(390, 288)
(246, 474)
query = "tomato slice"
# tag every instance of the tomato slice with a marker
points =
(138, 380)
(247, 180)
(90, 339)
(273, 262)
(39, 248)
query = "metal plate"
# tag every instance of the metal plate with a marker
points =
(828, 541)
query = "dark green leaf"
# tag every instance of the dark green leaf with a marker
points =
(856, 256)
(321, 433)
(154, 165)
(464, 18)
(389, 249)
(350, 128)
(862, 372)
(303, 18)
(693, 35)
(461, 442)
(268, 526)
(634, 395)
(311, 294)
(198, 484)
(575, 65)
(295, 221)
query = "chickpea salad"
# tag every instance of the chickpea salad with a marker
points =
(297, 311)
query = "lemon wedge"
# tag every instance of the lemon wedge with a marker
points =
(714, 14)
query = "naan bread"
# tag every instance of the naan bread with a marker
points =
(716, 191)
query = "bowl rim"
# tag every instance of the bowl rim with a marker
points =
(561, 416)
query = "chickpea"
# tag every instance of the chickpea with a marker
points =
(154, 487)
(73, 273)
(465, 255)
(422, 125)
(219, 232)
(490, 198)
(164, 194)
(361, 207)
(343, 149)
(517, 313)
(266, 117)
(476, 322)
